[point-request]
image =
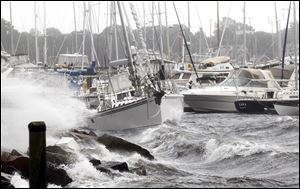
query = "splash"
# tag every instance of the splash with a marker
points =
(44, 98)
(172, 108)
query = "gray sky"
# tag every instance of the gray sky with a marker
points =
(60, 14)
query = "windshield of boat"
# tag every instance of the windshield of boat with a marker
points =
(246, 82)
(236, 82)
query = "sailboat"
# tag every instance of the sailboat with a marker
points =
(131, 99)
(288, 103)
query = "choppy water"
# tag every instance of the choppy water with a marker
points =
(197, 150)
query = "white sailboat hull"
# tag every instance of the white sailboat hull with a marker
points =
(142, 113)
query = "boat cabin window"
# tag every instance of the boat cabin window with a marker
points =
(176, 76)
(263, 84)
(236, 82)
(186, 76)
(121, 96)
(132, 93)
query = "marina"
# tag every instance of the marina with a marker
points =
(145, 95)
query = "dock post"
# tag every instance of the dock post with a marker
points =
(37, 155)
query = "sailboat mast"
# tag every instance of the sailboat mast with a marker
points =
(83, 35)
(45, 36)
(115, 29)
(125, 37)
(189, 19)
(11, 31)
(76, 45)
(153, 31)
(277, 32)
(200, 33)
(36, 36)
(91, 32)
(295, 47)
(244, 32)
(218, 27)
(161, 41)
(285, 40)
(144, 18)
(167, 31)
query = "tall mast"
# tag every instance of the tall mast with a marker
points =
(189, 19)
(45, 36)
(76, 45)
(11, 31)
(210, 33)
(244, 32)
(134, 42)
(110, 45)
(153, 31)
(91, 32)
(295, 47)
(167, 31)
(278, 32)
(115, 29)
(36, 36)
(218, 27)
(144, 17)
(273, 50)
(285, 41)
(200, 33)
(83, 35)
(133, 76)
(161, 41)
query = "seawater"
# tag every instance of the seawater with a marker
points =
(190, 150)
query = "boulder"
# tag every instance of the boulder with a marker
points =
(120, 166)
(57, 155)
(9, 169)
(17, 161)
(103, 169)
(141, 171)
(57, 176)
(95, 162)
(113, 143)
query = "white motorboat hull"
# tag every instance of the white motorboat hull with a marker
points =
(210, 103)
(284, 109)
(141, 113)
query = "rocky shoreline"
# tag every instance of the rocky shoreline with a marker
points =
(63, 153)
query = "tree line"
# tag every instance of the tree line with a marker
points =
(258, 43)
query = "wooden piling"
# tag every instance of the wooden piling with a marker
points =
(37, 155)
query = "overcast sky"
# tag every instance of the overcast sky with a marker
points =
(59, 14)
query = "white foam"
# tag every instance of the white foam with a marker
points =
(172, 108)
(24, 101)
(18, 182)
(219, 150)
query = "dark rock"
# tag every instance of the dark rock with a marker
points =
(80, 136)
(5, 180)
(141, 171)
(9, 169)
(57, 150)
(84, 132)
(117, 144)
(57, 159)
(120, 166)
(95, 162)
(20, 163)
(57, 176)
(16, 153)
(58, 156)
